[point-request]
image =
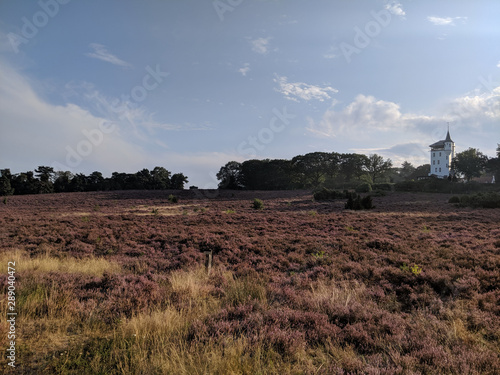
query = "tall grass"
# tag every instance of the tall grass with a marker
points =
(47, 263)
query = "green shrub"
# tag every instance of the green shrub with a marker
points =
(383, 186)
(258, 204)
(327, 194)
(367, 202)
(454, 199)
(481, 200)
(172, 198)
(355, 202)
(365, 187)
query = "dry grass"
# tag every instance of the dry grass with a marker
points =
(338, 293)
(47, 263)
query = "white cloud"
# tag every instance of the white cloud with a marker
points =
(36, 132)
(299, 90)
(364, 115)
(498, 65)
(370, 123)
(395, 8)
(245, 69)
(476, 110)
(260, 45)
(445, 21)
(101, 53)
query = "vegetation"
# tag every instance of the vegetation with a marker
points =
(47, 180)
(258, 204)
(469, 163)
(327, 194)
(334, 292)
(483, 200)
(318, 293)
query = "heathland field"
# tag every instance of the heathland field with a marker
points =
(115, 283)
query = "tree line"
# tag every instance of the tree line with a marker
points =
(334, 170)
(45, 180)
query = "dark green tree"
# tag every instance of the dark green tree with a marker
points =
(352, 166)
(95, 181)
(45, 175)
(62, 182)
(160, 178)
(231, 176)
(406, 170)
(178, 180)
(5, 182)
(469, 163)
(377, 167)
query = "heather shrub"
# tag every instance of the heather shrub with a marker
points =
(454, 199)
(482, 200)
(172, 198)
(383, 186)
(327, 194)
(355, 202)
(364, 187)
(257, 204)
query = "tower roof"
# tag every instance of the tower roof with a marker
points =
(448, 138)
(440, 144)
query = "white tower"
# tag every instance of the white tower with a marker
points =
(442, 153)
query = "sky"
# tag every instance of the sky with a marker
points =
(122, 85)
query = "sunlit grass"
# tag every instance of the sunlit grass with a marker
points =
(48, 263)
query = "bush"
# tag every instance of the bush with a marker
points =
(355, 202)
(383, 186)
(327, 194)
(365, 187)
(454, 199)
(258, 204)
(172, 198)
(487, 200)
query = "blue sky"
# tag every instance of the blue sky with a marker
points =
(190, 85)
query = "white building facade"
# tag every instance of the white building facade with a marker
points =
(442, 153)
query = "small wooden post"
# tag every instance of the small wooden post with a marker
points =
(208, 261)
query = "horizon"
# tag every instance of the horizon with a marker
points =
(190, 86)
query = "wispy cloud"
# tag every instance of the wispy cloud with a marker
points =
(498, 65)
(245, 69)
(299, 90)
(101, 53)
(395, 8)
(260, 45)
(445, 21)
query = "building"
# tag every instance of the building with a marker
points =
(442, 153)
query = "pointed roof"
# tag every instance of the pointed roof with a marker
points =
(440, 144)
(448, 138)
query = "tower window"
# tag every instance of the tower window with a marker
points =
(438, 161)
(435, 169)
(439, 169)
(433, 162)
(439, 154)
(433, 154)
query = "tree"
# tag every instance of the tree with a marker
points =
(406, 170)
(45, 174)
(313, 168)
(231, 176)
(377, 167)
(160, 178)
(420, 171)
(493, 165)
(62, 181)
(178, 180)
(352, 166)
(95, 181)
(5, 185)
(469, 163)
